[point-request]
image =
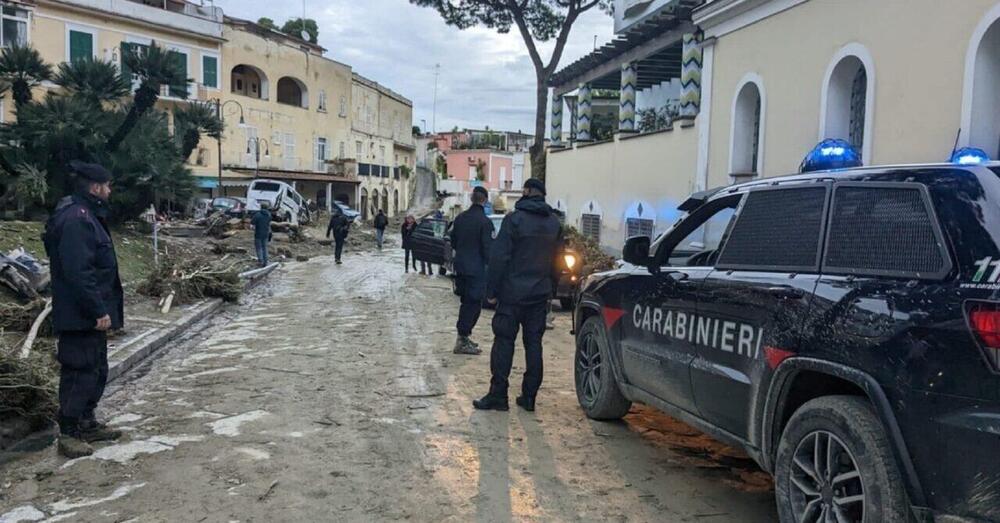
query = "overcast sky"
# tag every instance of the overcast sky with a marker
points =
(486, 78)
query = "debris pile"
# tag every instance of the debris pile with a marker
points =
(15, 317)
(594, 259)
(28, 386)
(24, 274)
(193, 279)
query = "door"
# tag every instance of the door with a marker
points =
(757, 299)
(659, 332)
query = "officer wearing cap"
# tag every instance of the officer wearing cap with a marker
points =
(87, 301)
(471, 236)
(522, 276)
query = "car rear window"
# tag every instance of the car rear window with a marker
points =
(777, 229)
(884, 230)
(266, 187)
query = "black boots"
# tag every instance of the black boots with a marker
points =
(490, 402)
(92, 430)
(526, 403)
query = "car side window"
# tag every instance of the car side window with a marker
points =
(696, 240)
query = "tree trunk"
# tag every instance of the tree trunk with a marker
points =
(541, 112)
(189, 143)
(145, 98)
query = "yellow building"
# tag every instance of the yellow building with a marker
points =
(382, 145)
(286, 113)
(65, 29)
(758, 83)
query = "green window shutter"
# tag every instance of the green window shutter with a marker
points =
(81, 45)
(180, 89)
(210, 71)
(126, 72)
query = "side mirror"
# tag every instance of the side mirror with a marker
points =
(636, 250)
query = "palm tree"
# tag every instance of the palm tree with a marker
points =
(191, 122)
(93, 81)
(22, 68)
(155, 68)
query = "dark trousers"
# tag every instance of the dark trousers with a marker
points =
(426, 267)
(407, 256)
(507, 320)
(471, 290)
(260, 245)
(338, 247)
(83, 356)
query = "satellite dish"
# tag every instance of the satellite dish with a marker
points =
(305, 35)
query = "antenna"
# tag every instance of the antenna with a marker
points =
(305, 34)
(957, 138)
(437, 71)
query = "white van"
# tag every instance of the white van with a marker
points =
(286, 204)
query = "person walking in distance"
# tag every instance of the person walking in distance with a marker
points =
(339, 226)
(381, 222)
(406, 231)
(522, 274)
(261, 222)
(471, 236)
(87, 302)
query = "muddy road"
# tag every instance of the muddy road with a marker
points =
(333, 396)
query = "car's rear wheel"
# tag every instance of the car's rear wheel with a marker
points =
(596, 388)
(835, 464)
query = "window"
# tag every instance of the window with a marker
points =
(885, 230)
(292, 92)
(638, 227)
(248, 81)
(131, 47)
(746, 121)
(360, 150)
(276, 138)
(290, 161)
(179, 89)
(696, 240)
(343, 107)
(848, 93)
(778, 229)
(590, 226)
(343, 150)
(859, 87)
(210, 71)
(14, 29)
(980, 110)
(321, 154)
(381, 154)
(80, 42)
(321, 104)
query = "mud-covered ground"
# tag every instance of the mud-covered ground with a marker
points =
(333, 395)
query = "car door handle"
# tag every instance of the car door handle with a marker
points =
(677, 276)
(787, 293)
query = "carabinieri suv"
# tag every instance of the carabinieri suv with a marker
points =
(841, 327)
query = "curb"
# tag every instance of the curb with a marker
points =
(129, 355)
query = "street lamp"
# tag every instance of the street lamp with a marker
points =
(219, 106)
(253, 146)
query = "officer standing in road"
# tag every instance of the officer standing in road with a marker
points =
(522, 275)
(261, 222)
(339, 226)
(87, 301)
(471, 236)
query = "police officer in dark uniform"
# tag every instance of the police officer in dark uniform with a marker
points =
(471, 236)
(522, 276)
(87, 301)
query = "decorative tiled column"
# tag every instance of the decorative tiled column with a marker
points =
(585, 113)
(691, 75)
(626, 98)
(573, 110)
(557, 117)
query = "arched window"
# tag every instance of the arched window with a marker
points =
(981, 107)
(385, 200)
(248, 80)
(292, 91)
(746, 147)
(590, 221)
(395, 201)
(846, 111)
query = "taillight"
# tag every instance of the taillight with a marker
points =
(984, 320)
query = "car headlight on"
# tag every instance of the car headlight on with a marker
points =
(570, 260)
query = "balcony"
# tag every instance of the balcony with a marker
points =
(182, 15)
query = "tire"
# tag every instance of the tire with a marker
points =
(596, 388)
(566, 304)
(845, 426)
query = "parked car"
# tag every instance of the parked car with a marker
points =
(286, 204)
(231, 205)
(842, 327)
(350, 213)
(431, 243)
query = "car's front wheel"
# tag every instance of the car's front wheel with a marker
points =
(596, 388)
(835, 464)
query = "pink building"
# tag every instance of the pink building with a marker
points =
(495, 167)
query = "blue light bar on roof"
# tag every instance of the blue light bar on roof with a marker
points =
(969, 156)
(832, 153)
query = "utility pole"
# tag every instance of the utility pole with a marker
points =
(437, 71)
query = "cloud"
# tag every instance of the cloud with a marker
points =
(485, 78)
